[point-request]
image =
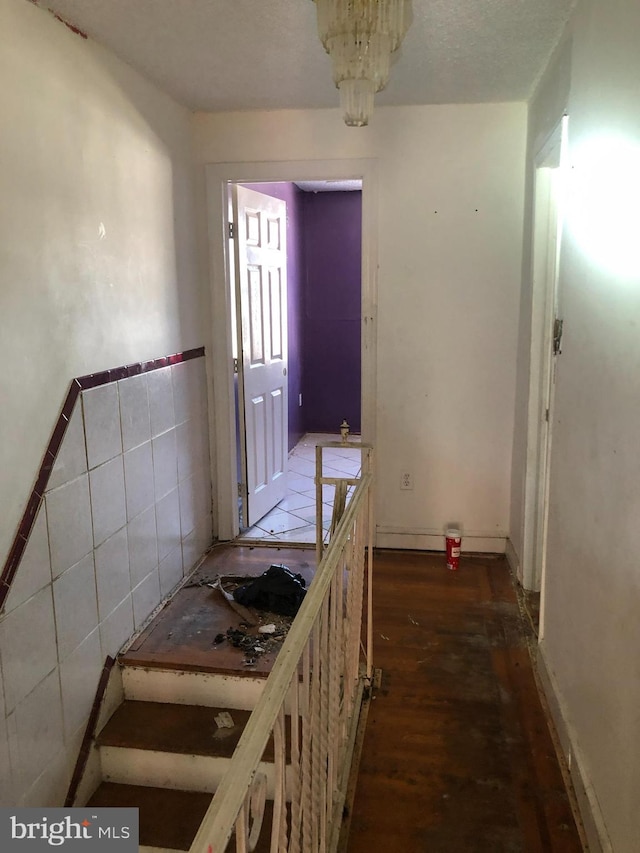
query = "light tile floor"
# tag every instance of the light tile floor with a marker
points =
(293, 519)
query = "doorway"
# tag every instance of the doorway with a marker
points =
(225, 438)
(296, 283)
(546, 334)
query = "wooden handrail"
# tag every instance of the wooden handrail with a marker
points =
(231, 795)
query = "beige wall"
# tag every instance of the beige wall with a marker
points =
(451, 183)
(591, 601)
(97, 267)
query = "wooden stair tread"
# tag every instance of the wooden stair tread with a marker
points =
(168, 818)
(163, 727)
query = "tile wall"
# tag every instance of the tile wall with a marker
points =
(126, 513)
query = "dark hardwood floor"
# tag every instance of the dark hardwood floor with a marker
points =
(457, 753)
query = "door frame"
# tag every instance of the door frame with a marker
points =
(219, 357)
(547, 238)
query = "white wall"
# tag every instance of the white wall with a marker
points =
(126, 514)
(591, 598)
(98, 266)
(448, 296)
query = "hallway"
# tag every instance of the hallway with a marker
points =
(457, 756)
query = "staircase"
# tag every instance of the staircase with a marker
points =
(163, 752)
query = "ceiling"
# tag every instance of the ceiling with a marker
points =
(265, 54)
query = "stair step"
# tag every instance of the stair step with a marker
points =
(174, 746)
(169, 819)
(187, 729)
(192, 688)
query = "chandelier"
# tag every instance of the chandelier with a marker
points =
(360, 36)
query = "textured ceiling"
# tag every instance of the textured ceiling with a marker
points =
(265, 54)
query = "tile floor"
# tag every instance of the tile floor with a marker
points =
(293, 519)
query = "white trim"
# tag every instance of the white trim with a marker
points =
(587, 801)
(428, 539)
(512, 558)
(545, 241)
(218, 175)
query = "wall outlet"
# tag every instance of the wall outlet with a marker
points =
(406, 480)
(299, 399)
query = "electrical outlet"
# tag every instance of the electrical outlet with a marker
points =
(406, 480)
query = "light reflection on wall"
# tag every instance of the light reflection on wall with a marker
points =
(603, 203)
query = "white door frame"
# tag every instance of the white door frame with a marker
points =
(219, 356)
(547, 228)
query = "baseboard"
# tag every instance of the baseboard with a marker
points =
(593, 824)
(433, 540)
(513, 559)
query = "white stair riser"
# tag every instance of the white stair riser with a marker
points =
(191, 688)
(169, 770)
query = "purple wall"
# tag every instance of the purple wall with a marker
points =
(324, 233)
(295, 272)
(332, 309)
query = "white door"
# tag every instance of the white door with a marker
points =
(261, 289)
(546, 330)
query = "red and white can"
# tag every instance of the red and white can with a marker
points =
(453, 538)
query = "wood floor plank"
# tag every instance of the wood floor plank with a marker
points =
(457, 755)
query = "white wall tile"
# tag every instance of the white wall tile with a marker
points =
(143, 545)
(6, 786)
(17, 780)
(190, 448)
(188, 506)
(112, 572)
(27, 646)
(170, 571)
(50, 788)
(186, 390)
(76, 605)
(190, 551)
(203, 423)
(108, 507)
(79, 677)
(145, 597)
(39, 731)
(72, 456)
(6, 781)
(69, 524)
(138, 478)
(34, 571)
(161, 406)
(204, 532)
(134, 411)
(116, 629)
(102, 423)
(165, 463)
(168, 524)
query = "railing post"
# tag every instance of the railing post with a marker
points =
(318, 675)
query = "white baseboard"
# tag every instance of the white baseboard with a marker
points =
(587, 802)
(433, 540)
(513, 559)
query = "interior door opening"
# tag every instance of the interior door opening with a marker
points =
(318, 327)
(546, 327)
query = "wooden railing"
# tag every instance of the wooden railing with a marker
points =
(310, 706)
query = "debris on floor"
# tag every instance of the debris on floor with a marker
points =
(224, 720)
(278, 590)
(260, 632)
